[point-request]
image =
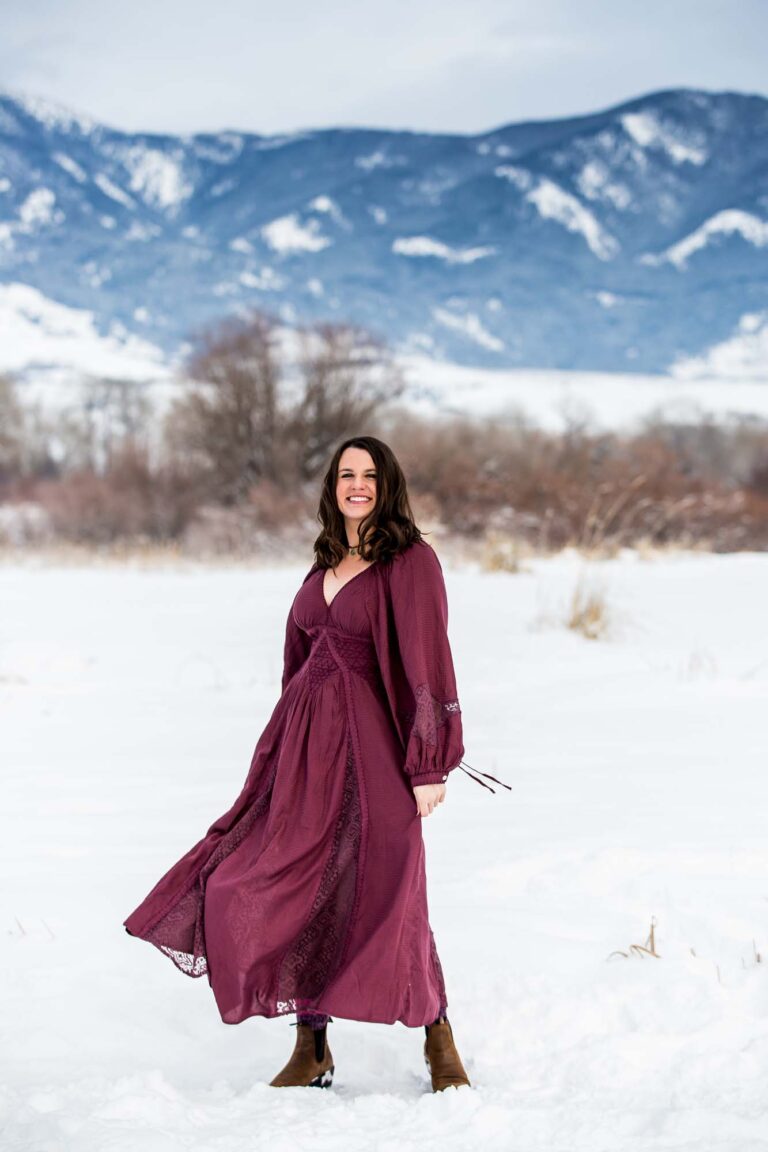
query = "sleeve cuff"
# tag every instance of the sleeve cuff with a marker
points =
(429, 778)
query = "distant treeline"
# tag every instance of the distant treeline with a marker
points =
(238, 457)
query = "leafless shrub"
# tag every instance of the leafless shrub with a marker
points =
(588, 612)
(130, 500)
(502, 553)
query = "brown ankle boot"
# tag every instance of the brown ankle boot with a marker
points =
(311, 1063)
(441, 1057)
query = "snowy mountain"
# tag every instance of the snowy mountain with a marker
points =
(634, 239)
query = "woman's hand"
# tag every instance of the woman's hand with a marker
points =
(428, 796)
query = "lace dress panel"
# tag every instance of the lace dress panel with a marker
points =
(179, 931)
(430, 714)
(310, 964)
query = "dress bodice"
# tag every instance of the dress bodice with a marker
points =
(346, 612)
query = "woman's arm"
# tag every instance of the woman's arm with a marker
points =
(297, 643)
(420, 607)
(295, 651)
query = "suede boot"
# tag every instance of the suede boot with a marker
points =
(441, 1057)
(311, 1063)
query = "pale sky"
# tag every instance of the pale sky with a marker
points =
(439, 65)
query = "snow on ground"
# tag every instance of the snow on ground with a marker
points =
(606, 400)
(744, 355)
(130, 702)
(39, 334)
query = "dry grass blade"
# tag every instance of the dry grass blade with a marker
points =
(646, 949)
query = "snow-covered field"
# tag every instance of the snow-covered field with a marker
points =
(603, 400)
(130, 702)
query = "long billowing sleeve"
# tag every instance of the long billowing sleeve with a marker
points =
(297, 643)
(433, 733)
(296, 651)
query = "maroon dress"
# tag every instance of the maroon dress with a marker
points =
(310, 893)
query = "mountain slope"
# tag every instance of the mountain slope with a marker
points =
(631, 239)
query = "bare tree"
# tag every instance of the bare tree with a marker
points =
(229, 420)
(346, 375)
(11, 432)
(256, 414)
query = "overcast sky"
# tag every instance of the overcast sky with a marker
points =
(437, 65)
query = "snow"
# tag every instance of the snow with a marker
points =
(156, 176)
(520, 177)
(745, 354)
(226, 288)
(222, 187)
(270, 143)
(325, 204)
(681, 145)
(554, 203)
(470, 325)
(51, 115)
(378, 159)
(54, 347)
(38, 209)
(39, 333)
(266, 280)
(606, 400)
(729, 222)
(594, 182)
(132, 698)
(109, 188)
(288, 234)
(241, 244)
(224, 149)
(427, 246)
(142, 230)
(71, 166)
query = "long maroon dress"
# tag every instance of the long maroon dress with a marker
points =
(310, 892)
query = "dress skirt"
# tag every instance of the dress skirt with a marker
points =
(309, 893)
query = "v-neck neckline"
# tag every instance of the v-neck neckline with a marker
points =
(344, 585)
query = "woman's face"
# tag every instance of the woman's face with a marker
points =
(356, 483)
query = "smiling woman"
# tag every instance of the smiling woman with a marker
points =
(309, 895)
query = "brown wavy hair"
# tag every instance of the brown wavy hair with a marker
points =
(389, 527)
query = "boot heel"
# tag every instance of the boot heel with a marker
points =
(310, 1053)
(325, 1079)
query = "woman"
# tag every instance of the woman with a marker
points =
(309, 894)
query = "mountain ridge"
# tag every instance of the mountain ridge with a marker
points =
(628, 239)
